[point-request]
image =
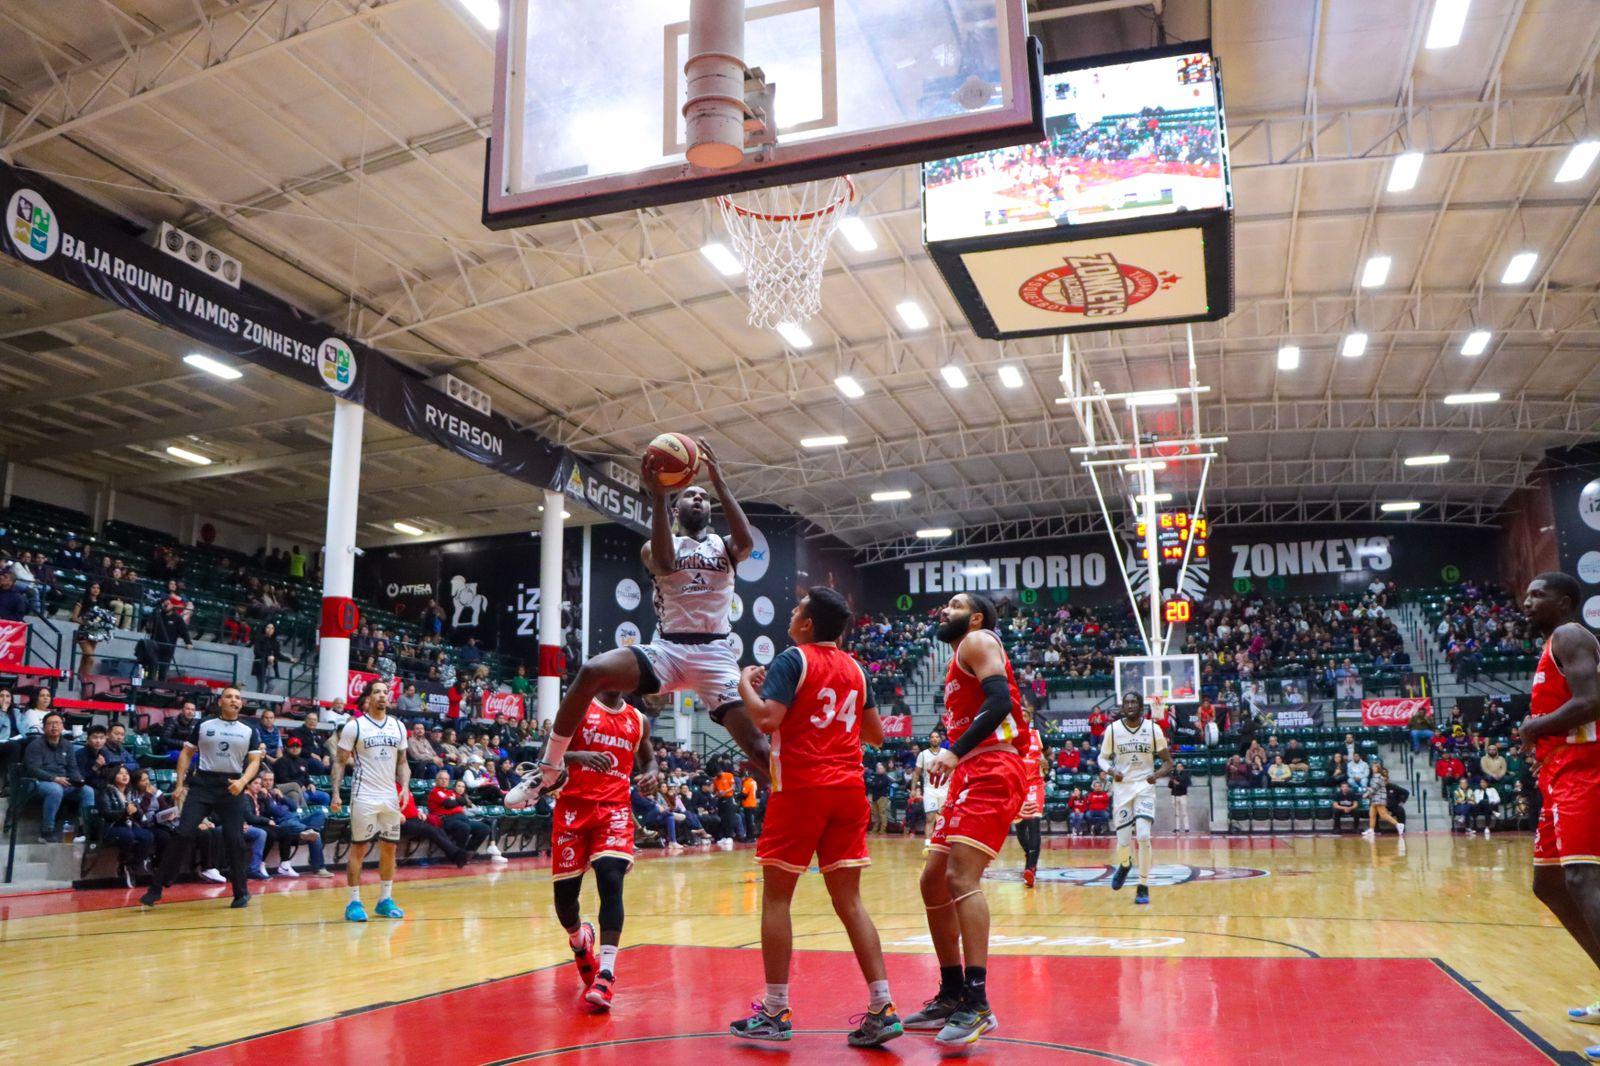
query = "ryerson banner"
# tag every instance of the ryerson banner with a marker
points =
(60, 234)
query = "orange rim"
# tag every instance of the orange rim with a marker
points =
(806, 216)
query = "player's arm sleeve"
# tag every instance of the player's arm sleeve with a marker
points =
(1108, 750)
(996, 705)
(783, 677)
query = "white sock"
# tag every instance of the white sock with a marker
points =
(877, 994)
(385, 890)
(355, 893)
(1145, 851)
(575, 938)
(777, 998)
(608, 958)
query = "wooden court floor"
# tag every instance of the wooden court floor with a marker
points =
(1296, 949)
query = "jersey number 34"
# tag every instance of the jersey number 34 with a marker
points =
(831, 710)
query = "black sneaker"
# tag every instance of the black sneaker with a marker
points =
(1119, 877)
(763, 1026)
(934, 1013)
(151, 897)
(1142, 895)
(240, 902)
(876, 1027)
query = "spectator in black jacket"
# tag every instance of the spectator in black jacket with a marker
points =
(293, 772)
(705, 804)
(116, 751)
(183, 728)
(269, 653)
(878, 788)
(48, 761)
(92, 758)
(13, 603)
(124, 829)
(167, 629)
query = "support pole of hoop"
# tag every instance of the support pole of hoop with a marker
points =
(714, 111)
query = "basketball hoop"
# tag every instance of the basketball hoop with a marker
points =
(781, 235)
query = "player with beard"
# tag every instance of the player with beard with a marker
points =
(694, 577)
(1561, 731)
(987, 783)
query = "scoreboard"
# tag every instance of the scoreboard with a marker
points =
(1174, 531)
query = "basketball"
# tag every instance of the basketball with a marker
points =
(672, 458)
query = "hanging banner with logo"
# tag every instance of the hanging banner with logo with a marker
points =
(13, 641)
(897, 727)
(1393, 711)
(509, 704)
(358, 681)
(65, 236)
(589, 484)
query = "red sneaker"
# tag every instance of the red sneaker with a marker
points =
(599, 994)
(584, 956)
(1027, 878)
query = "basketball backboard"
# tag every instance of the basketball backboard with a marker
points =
(1175, 678)
(589, 99)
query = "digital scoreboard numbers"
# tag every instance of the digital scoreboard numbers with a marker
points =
(1174, 531)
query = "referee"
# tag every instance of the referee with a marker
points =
(230, 753)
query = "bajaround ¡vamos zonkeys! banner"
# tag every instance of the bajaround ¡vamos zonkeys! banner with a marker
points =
(56, 232)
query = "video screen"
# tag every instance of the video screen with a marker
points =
(1123, 141)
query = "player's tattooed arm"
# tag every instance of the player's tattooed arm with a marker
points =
(767, 715)
(1576, 653)
(336, 778)
(659, 546)
(741, 542)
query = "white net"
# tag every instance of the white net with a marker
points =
(781, 236)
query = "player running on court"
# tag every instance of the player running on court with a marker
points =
(986, 785)
(694, 577)
(815, 702)
(1561, 732)
(374, 743)
(1134, 752)
(932, 794)
(1029, 831)
(592, 828)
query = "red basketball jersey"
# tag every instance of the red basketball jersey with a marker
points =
(818, 743)
(616, 733)
(1550, 691)
(1033, 754)
(963, 699)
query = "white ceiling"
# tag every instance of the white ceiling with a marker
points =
(336, 147)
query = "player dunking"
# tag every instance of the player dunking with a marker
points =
(592, 828)
(987, 782)
(374, 742)
(815, 702)
(1029, 832)
(1561, 731)
(1134, 752)
(694, 577)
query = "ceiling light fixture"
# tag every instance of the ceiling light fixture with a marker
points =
(1520, 268)
(849, 386)
(487, 12)
(721, 256)
(1476, 343)
(1376, 272)
(1403, 172)
(1354, 346)
(856, 233)
(954, 377)
(937, 533)
(1449, 19)
(1289, 357)
(912, 314)
(1400, 505)
(189, 457)
(408, 529)
(794, 335)
(891, 495)
(1010, 377)
(1456, 399)
(1427, 460)
(1578, 161)
(823, 442)
(212, 366)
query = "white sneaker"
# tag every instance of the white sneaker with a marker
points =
(493, 851)
(1369, 833)
(213, 875)
(286, 870)
(1589, 1015)
(1401, 829)
(725, 842)
(1486, 832)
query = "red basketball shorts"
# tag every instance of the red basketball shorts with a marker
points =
(582, 831)
(1569, 821)
(828, 823)
(986, 792)
(1033, 802)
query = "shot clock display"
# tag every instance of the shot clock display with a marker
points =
(1174, 530)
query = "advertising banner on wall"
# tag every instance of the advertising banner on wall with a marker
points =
(60, 234)
(897, 726)
(1393, 711)
(1270, 560)
(509, 704)
(1574, 480)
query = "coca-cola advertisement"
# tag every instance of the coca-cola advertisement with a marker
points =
(509, 704)
(13, 641)
(1393, 711)
(897, 726)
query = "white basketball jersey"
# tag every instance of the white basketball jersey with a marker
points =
(375, 750)
(1133, 752)
(697, 596)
